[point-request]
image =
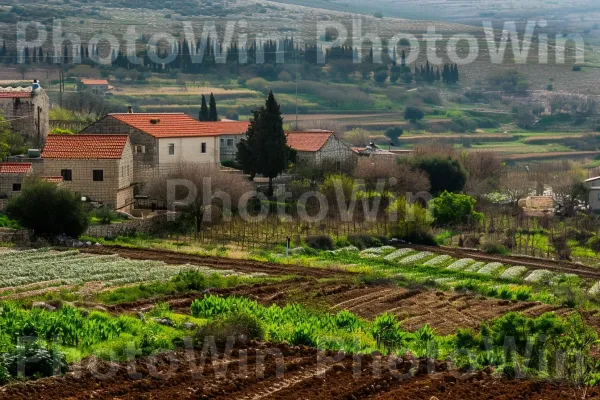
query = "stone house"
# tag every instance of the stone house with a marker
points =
(163, 140)
(98, 167)
(96, 86)
(12, 176)
(27, 110)
(593, 185)
(315, 148)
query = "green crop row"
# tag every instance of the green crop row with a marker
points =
(547, 346)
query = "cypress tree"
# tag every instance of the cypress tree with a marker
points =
(403, 62)
(203, 116)
(246, 154)
(212, 113)
(272, 151)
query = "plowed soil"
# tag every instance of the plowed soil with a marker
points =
(245, 266)
(298, 373)
(444, 311)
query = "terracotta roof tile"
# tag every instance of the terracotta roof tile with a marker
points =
(15, 168)
(15, 95)
(165, 125)
(94, 81)
(84, 146)
(312, 140)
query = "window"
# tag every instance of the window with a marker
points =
(66, 174)
(171, 149)
(229, 142)
(98, 175)
(16, 187)
(222, 142)
(122, 171)
(140, 149)
(203, 148)
(128, 171)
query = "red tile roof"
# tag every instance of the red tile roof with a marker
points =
(166, 125)
(84, 146)
(15, 168)
(94, 81)
(14, 95)
(312, 140)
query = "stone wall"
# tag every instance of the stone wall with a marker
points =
(146, 156)
(30, 116)
(17, 236)
(149, 225)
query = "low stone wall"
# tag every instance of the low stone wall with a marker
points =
(149, 225)
(17, 236)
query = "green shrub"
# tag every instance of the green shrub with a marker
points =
(366, 241)
(189, 280)
(523, 294)
(320, 242)
(594, 244)
(505, 293)
(453, 209)
(466, 338)
(105, 215)
(347, 320)
(303, 335)
(236, 326)
(34, 360)
(387, 332)
(4, 375)
(48, 210)
(230, 164)
(415, 236)
(495, 248)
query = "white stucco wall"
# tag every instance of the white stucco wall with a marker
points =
(188, 150)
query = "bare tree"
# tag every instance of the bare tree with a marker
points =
(569, 189)
(484, 169)
(515, 185)
(198, 189)
(373, 169)
(88, 103)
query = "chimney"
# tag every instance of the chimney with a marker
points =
(130, 109)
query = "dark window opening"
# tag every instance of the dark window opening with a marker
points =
(66, 174)
(98, 175)
(16, 187)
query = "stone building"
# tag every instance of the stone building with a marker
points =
(12, 176)
(96, 86)
(163, 140)
(98, 167)
(315, 148)
(27, 110)
(593, 185)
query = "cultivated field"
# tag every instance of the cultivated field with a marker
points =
(428, 294)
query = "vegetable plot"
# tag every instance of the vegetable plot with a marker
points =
(44, 267)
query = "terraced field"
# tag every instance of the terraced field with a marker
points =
(423, 289)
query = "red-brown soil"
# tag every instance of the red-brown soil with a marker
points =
(303, 375)
(444, 311)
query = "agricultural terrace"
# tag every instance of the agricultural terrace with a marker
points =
(128, 306)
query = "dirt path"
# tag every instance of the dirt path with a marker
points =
(297, 373)
(246, 266)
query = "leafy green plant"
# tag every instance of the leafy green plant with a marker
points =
(34, 360)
